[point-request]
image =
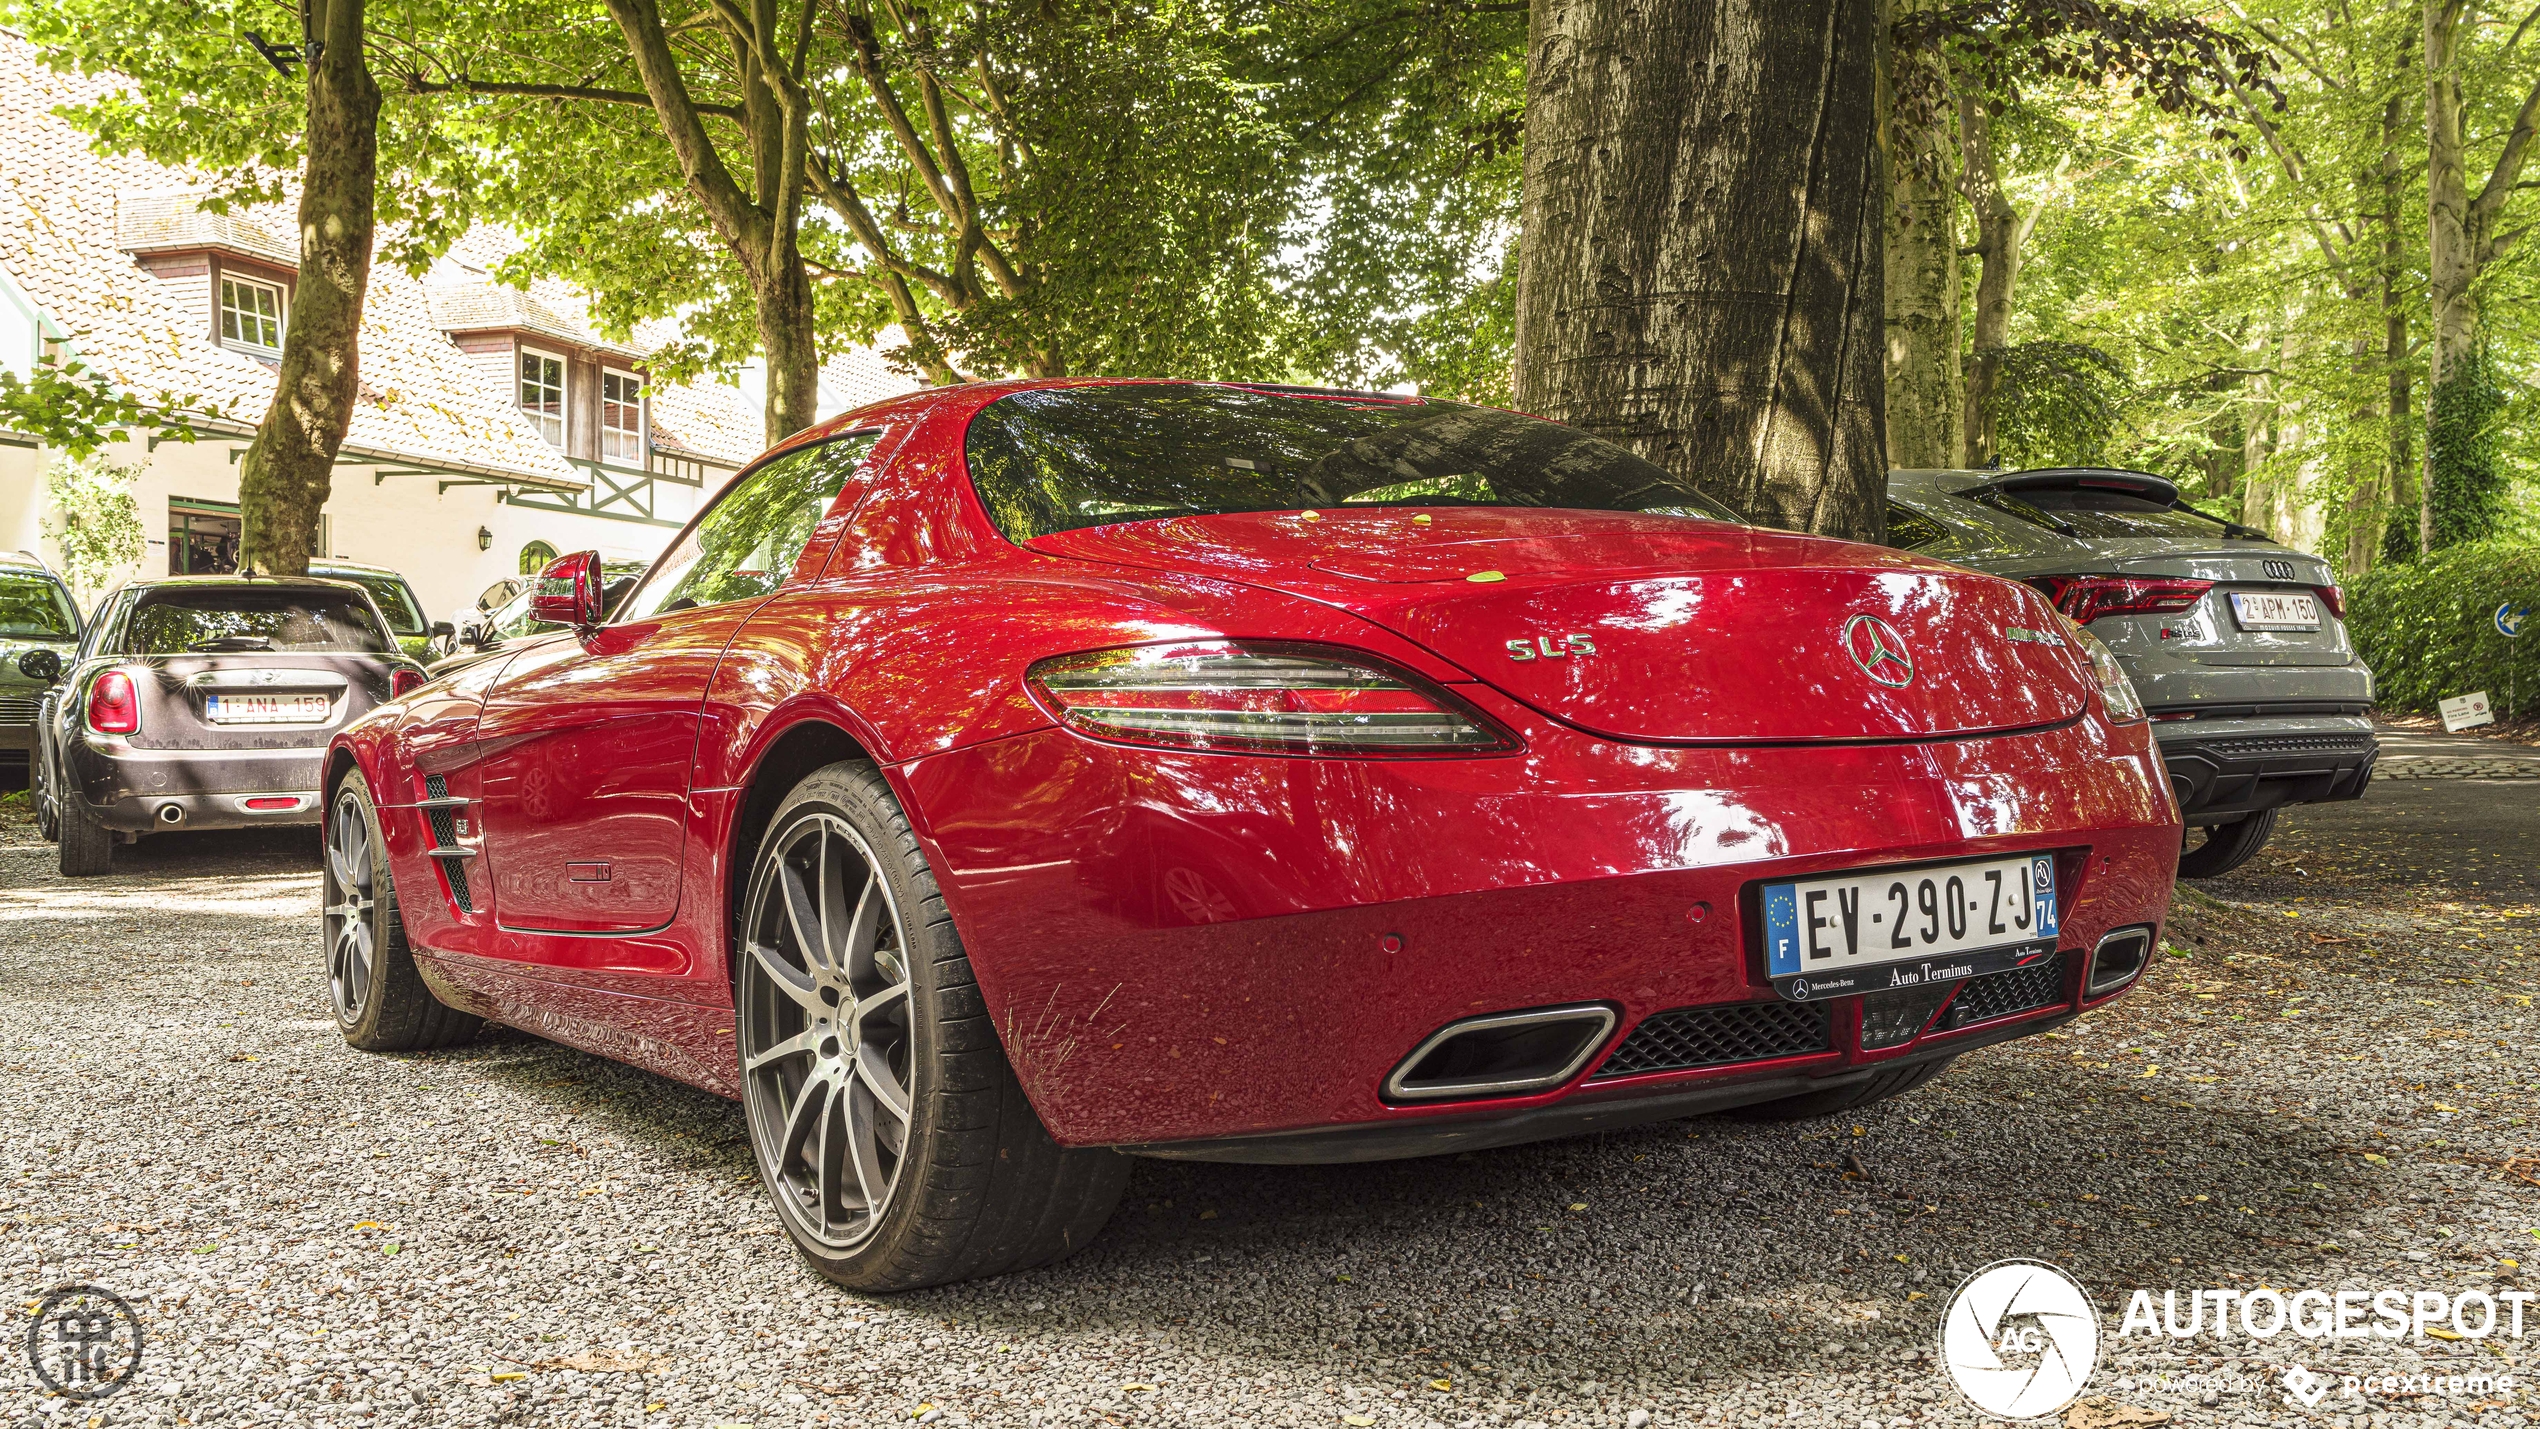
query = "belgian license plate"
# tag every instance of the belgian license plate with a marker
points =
(1872, 931)
(2275, 610)
(268, 709)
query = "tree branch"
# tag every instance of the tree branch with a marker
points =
(417, 84)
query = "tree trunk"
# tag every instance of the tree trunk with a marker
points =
(1997, 246)
(2400, 517)
(2449, 270)
(288, 472)
(789, 337)
(1925, 391)
(1700, 275)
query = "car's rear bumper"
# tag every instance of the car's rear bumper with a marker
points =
(2225, 769)
(1224, 956)
(136, 790)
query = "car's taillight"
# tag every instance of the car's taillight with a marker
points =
(402, 679)
(2333, 598)
(113, 706)
(1260, 699)
(2116, 692)
(2086, 598)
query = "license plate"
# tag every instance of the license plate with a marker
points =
(268, 709)
(1872, 931)
(2274, 610)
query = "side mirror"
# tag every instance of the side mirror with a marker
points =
(42, 666)
(569, 591)
(443, 630)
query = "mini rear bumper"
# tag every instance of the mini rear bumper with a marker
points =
(141, 791)
(2226, 769)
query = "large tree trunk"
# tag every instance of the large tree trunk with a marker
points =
(1700, 275)
(1925, 392)
(288, 471)
(1997, 245)
(2400, 515)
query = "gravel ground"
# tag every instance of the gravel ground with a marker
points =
(2323, 1083)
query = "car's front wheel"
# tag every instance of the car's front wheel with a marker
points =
(380, 1000)
(888, 1128)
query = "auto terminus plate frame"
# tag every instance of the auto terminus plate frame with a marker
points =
(1836, 934)
(2275, 610)
(267, 709)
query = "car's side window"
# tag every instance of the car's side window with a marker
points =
(746, 544)
(1910, 530)
(107, 628)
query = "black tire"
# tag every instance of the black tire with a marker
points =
(1878, 1087)
(48, 818)
(2227, 846)
(885, 1024)
(87, 847)
(380, 1001)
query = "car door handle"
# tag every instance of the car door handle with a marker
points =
(587, 872)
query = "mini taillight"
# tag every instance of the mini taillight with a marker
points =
(402, 679)
(2333, 598)
(2086, 598)
(113, 707)
(1259, 699)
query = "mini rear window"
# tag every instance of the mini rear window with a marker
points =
(2097, 511)
(1057, 459)
(240, 620)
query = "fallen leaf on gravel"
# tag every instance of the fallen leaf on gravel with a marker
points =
(2525, 1167)
(2442, 1334)
(1441, 1385)
(1358, 1421)
(1137, 1389)
(604, 1362)
(2097, 1412)
(507, 1376)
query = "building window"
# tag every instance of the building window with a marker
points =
(536, 557)
(622, 418)
(542, 393)
(251, 314)
(202, 537)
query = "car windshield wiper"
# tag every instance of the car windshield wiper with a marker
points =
(227, 644)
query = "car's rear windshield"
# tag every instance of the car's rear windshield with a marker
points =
(390, 591)
(33, 607)
(1056, 459)
(2098, 511)
(219, 620)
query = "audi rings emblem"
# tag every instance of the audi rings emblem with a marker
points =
(1879, 651)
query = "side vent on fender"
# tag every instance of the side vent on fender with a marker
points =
(438, 811)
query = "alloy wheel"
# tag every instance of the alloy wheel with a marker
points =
(352, 904)
(826, 1027)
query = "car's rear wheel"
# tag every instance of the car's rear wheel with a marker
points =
(1877, 1087)
(87, 847)
(380, 1000)
(2224, 847)
(888, 1128)
(48, 818)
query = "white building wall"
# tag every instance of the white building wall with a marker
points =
(406, 523)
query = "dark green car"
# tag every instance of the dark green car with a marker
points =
(36, 613)
(395, 599)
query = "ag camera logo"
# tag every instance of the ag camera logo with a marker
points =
(2020, 1339)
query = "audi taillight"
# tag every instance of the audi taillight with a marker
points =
(2333, 598)
(2086, 598)
(1260, 699)
(114, 707)
(401, 680)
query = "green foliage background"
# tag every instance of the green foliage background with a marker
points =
(2428, 627)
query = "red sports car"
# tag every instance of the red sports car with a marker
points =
(1007, 777)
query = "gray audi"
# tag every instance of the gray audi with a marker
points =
(2236, 645)
(204, 702)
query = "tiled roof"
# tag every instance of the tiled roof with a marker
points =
(71, 220)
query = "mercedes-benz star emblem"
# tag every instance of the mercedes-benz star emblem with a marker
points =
(1879, 651)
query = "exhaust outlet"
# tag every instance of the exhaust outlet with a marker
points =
(2119, 959)
(1502, 1054)
(171, 814)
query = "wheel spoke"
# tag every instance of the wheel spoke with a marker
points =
(873, 1069)
(794, 1046)
(802, 1120)
(792, 982)
(802, 916)
(863, 932)
(890, 999)
(863, 1146)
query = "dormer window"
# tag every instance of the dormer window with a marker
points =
(621, 418)
(251, 314)
(542, 393)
